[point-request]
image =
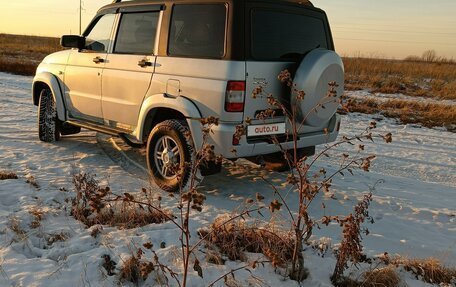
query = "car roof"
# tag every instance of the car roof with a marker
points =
(305, 2)
(119, 3)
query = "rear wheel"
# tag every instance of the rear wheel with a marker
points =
(170, 155)
(48, 123)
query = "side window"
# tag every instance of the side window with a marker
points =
(198, 30)
(136, 34)
(98, 39)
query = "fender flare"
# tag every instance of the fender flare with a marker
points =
(180, 104)
(54, 84)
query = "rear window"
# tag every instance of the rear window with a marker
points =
(281, 35)
(198, 30)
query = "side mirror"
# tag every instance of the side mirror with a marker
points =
(73, 41)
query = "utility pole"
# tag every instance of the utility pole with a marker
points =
(80, 17)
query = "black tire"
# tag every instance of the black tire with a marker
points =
(168, 145)
(48, 123)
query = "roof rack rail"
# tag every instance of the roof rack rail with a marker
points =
(306, 2)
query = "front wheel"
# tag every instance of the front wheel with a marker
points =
(48, 123)
(170, 155)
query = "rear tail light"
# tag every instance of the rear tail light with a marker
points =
(235, 140)
(235, 96)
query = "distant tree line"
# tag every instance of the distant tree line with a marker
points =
(430, 56)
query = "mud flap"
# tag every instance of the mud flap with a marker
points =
(277, 162)
(210, 167)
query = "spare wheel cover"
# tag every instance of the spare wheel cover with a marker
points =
(316, 71)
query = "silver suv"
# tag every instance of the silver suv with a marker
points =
(148, 71)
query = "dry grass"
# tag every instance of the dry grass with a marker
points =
(237, 237)
(98, 205)
(130, 269)
(135, 269)
(21, 54)
(428, 79)
(15, 225)
(378, 277)
(37, 215)
(32, 181)
(213, 256)
(126, 216)
(426, 114)
(57, 237)
(7, 175)
(429, 270)
(381, 277)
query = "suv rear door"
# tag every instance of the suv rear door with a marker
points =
(129, 68)
(278, 35)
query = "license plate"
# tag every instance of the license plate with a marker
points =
(265, 130)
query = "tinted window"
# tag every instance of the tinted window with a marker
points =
(98, 38)
(281, 35)
(198, 31)
(136, 33)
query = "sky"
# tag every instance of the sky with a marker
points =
(375, 28)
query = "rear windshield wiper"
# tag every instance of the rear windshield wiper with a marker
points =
(291, 55)
(297, 56)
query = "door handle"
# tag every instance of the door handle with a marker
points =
(144, 63)
(98, 60)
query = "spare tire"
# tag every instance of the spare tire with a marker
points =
(318, 68)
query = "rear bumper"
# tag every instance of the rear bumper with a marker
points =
(222, 139)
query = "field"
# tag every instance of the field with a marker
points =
(413, 78)
(430, 85)
(22, 54)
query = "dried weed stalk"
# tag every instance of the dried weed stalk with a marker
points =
(139, 266)
(190, 199)
(351, 248)
(98, 205)
(301, 179)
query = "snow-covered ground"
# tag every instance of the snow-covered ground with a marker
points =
(365, 94)
(414, 205)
